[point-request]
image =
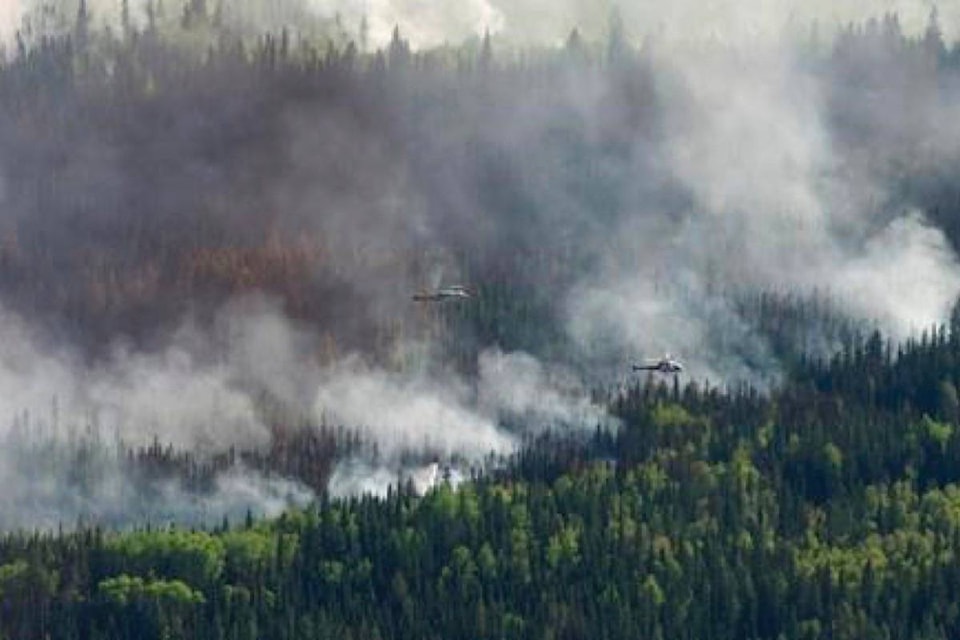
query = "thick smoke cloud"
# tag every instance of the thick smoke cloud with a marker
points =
(55, 483)
(528, 22)
(618, 207)
(537, 22)
(173, 395)
(67, 425)
(451, 416)
(747, 135)
(407, 414)
(10, 18)
(358, 477)
(425, 24)
(518, 388)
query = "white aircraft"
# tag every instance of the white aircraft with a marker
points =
(453, 292)
(666, 364)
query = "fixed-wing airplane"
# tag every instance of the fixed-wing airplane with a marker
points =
(453, 292)
(666, 364)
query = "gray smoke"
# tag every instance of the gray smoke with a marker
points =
(722, 158)
(526, 22)
(520, 389)
(66, 426)
(174, 394)
(358, 477)
(53, 483)
(404, 412)
(746, 134)
(10, 17)
(449, 415)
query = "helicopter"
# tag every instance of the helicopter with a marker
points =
(452, 292)
(666, 364)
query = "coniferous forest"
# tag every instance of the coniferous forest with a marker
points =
(234, 404)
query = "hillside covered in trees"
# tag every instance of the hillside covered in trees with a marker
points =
(223, 413)
(829, 508)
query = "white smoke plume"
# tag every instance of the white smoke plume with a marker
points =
(746, 135)
(172, 395)
(525, 22)
(518, 387)
(448, 415)
(65, 422)
(54, 483)
(66, 425)
(513, 395)
(358, 478)
(423, 24)
(723, 21)
(906, 275)
(536, 22)
(11, 15)
(766, 202)
(404, 412)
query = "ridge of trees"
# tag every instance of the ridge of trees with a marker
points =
(827, 506)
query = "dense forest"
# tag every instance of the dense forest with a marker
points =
(826, 509)
(224, 415)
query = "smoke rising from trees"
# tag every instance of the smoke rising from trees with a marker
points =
(514, 24)
(194, 232)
